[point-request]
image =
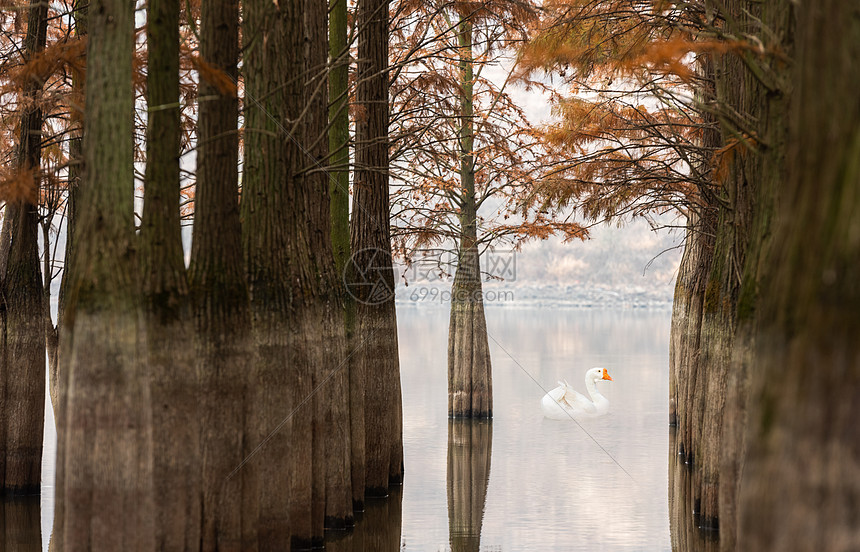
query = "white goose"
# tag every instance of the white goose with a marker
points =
(563, 402)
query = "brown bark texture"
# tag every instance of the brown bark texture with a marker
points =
(711, 334)
(105, 462)
(470, 380)
(173, 379)
(300, 439)
(22, 345)
(375, 354)
(219, 298)
(800, 485)
(20, 525)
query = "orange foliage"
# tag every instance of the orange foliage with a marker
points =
(629, 134)
(19, 185)
(213, 75)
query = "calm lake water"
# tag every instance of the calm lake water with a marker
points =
(552, 485)
(521, 482)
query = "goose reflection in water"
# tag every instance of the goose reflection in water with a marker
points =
(469, 450)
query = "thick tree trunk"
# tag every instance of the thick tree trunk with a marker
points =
(470, 444)
(171, 362)
(710, 409)
(300, 417)
(372, 282)
(687, 309)
(470, 380)
(800, 488)
(223, 341)
(106, 455)
(284, 466)
(22, 352)
(761, 175)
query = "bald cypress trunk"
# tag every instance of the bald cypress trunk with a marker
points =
(59, 372)
(339, 189)
(299, 416)
(709, 376)
(686, 326)
(22, 352)
(376, 350)
(165, 291)
(285, 466)
(799, 487)
(219, 295)
(106, 462)
(470, 380)
(761, 175)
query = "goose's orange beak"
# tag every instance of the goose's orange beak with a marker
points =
(606, 375)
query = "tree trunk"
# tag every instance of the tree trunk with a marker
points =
(23, 341)
(106, 461)
(165, 291)
(761, 174)
(470, 444)
(59, 372)
(711, 408)
(685, 336)
(339, 189)
(299, 417)
(470, 379)
(223, 341)
(800, 488)
(376, 350)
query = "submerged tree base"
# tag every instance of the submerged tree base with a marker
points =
(470, 382)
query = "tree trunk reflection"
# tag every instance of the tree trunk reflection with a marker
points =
(20, 524)
(469, 451)
(684, 514)
(377, 529)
